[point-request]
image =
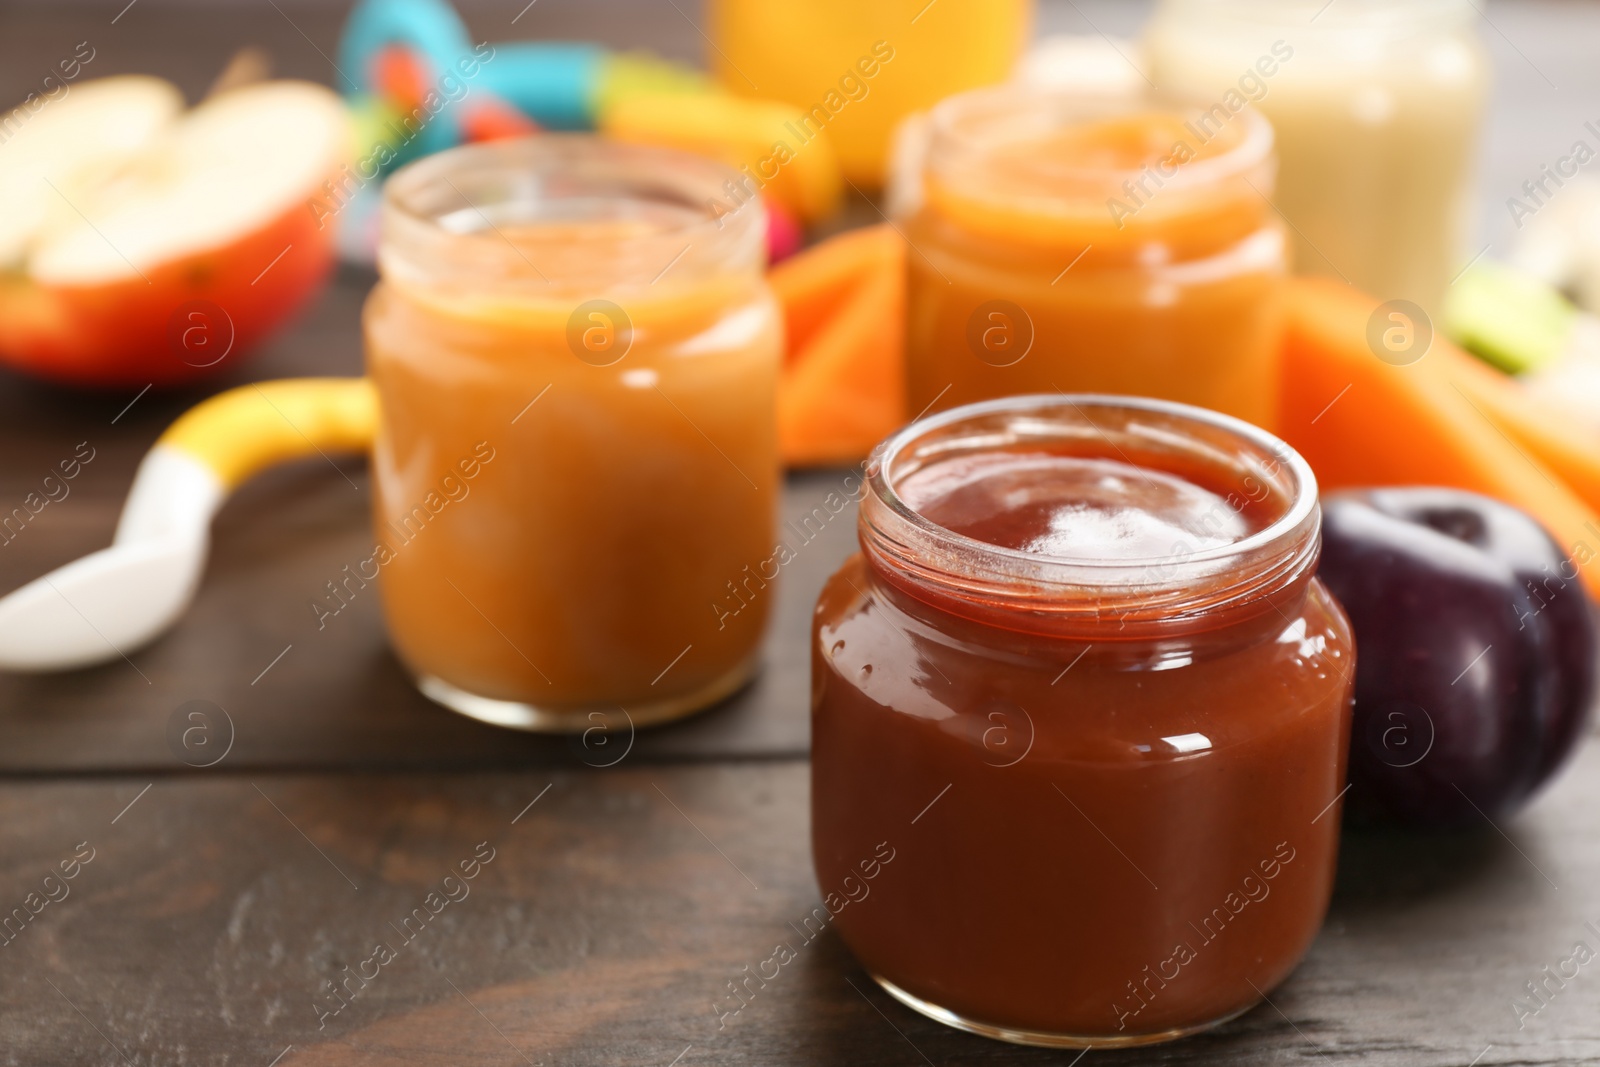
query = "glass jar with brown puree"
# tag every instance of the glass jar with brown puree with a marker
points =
(1082, 680)
(575, 353)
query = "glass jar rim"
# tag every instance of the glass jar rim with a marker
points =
(1161, 588)
(693, 192)
(1342, 17)
(977, 110)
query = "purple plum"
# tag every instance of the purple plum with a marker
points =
(1475, 652)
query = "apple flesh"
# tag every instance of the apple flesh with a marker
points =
(175, 254)
(59, 152)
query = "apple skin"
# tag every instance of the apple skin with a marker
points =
(136, 332)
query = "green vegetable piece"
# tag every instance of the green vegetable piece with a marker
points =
(1507, 318)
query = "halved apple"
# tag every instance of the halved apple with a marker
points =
(155, 245)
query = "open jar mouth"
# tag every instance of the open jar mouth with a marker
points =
(1155, 593)
(1319, 18)
(967, 131)
(567, 212)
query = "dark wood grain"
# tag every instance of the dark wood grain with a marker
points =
(620, 904)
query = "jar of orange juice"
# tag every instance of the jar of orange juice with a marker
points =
(853, 70)
(1070, 243)
(575, 359)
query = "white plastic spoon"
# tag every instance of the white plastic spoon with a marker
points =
(111, 602)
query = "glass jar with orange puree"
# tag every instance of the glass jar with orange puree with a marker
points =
(1079, 718)
(1083, 244)
(575, 354)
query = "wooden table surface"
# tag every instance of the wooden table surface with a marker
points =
(218, 904)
